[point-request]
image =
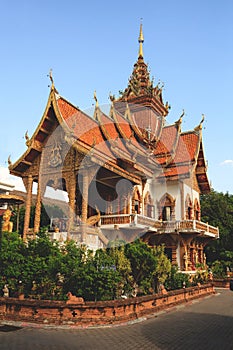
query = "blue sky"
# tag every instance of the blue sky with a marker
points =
(93, 45)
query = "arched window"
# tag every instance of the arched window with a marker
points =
(197, 211)
(166, 208)
(148, 206)
(136, 202)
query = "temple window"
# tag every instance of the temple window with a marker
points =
(189, 213)
(197, 211)
(136, 202)
(136, 206)
(166, 208)
(166, 214)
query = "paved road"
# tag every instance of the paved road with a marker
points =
(205, 324)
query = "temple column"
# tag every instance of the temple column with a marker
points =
(129, 211)
(202, 255)
(133, 204)
(28, 186)
(196, 256)
(84, 203)
(186, 259)
(174, 255)
(142, 209)
(37, 210)
(124, 201)
(182, 201)
(71, 189)
(40, 192)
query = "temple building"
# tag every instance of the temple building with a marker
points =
(5, 188)
(127, 173)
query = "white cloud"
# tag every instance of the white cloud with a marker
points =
(227, 162)
(6, 178)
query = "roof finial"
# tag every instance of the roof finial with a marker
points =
(9, 161)
(199, 127)
(140, 40)
(96, 100)
(27, 138)
(51, 77)
(179, 121)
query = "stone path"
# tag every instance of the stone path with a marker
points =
(204, 324)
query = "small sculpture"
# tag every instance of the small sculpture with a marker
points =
(72, 299)
(7, 225)
(5, 291)
(93, 220)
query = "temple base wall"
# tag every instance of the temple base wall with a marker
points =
(89, 314)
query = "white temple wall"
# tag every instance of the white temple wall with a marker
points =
(176, 189)
(192, 193)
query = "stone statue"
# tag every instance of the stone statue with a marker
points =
(7, 225)
(5, 291)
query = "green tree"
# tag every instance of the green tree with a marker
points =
(177, 279)
(91, 276)
(123, 266)
(107, 277)
(143, 263)
(162, 267)
(150, 266)
(41, 266)
(217, 210)
(12, 258)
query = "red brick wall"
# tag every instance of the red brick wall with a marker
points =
(222, 283)
(95, 313)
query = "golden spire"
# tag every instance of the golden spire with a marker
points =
(140, 40)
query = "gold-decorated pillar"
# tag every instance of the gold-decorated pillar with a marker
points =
(28, 185)
(40, 192)
(37, 210)
(71, 189)
(84, 203)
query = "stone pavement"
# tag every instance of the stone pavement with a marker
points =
(204, 324)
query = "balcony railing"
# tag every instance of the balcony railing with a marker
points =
(124, 219)
(189, 225)
(137, 220)
(119, 219)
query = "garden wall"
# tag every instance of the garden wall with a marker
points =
(222, 282)
(95, 313)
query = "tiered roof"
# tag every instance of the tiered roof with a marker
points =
(132, 140)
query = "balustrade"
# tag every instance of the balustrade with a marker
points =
(162, 226)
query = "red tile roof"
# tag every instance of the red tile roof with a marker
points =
(167, 140)
(85, 128)
(175, 171)
(111, 133)
(176, 152)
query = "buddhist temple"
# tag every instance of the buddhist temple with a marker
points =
(127, 173)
